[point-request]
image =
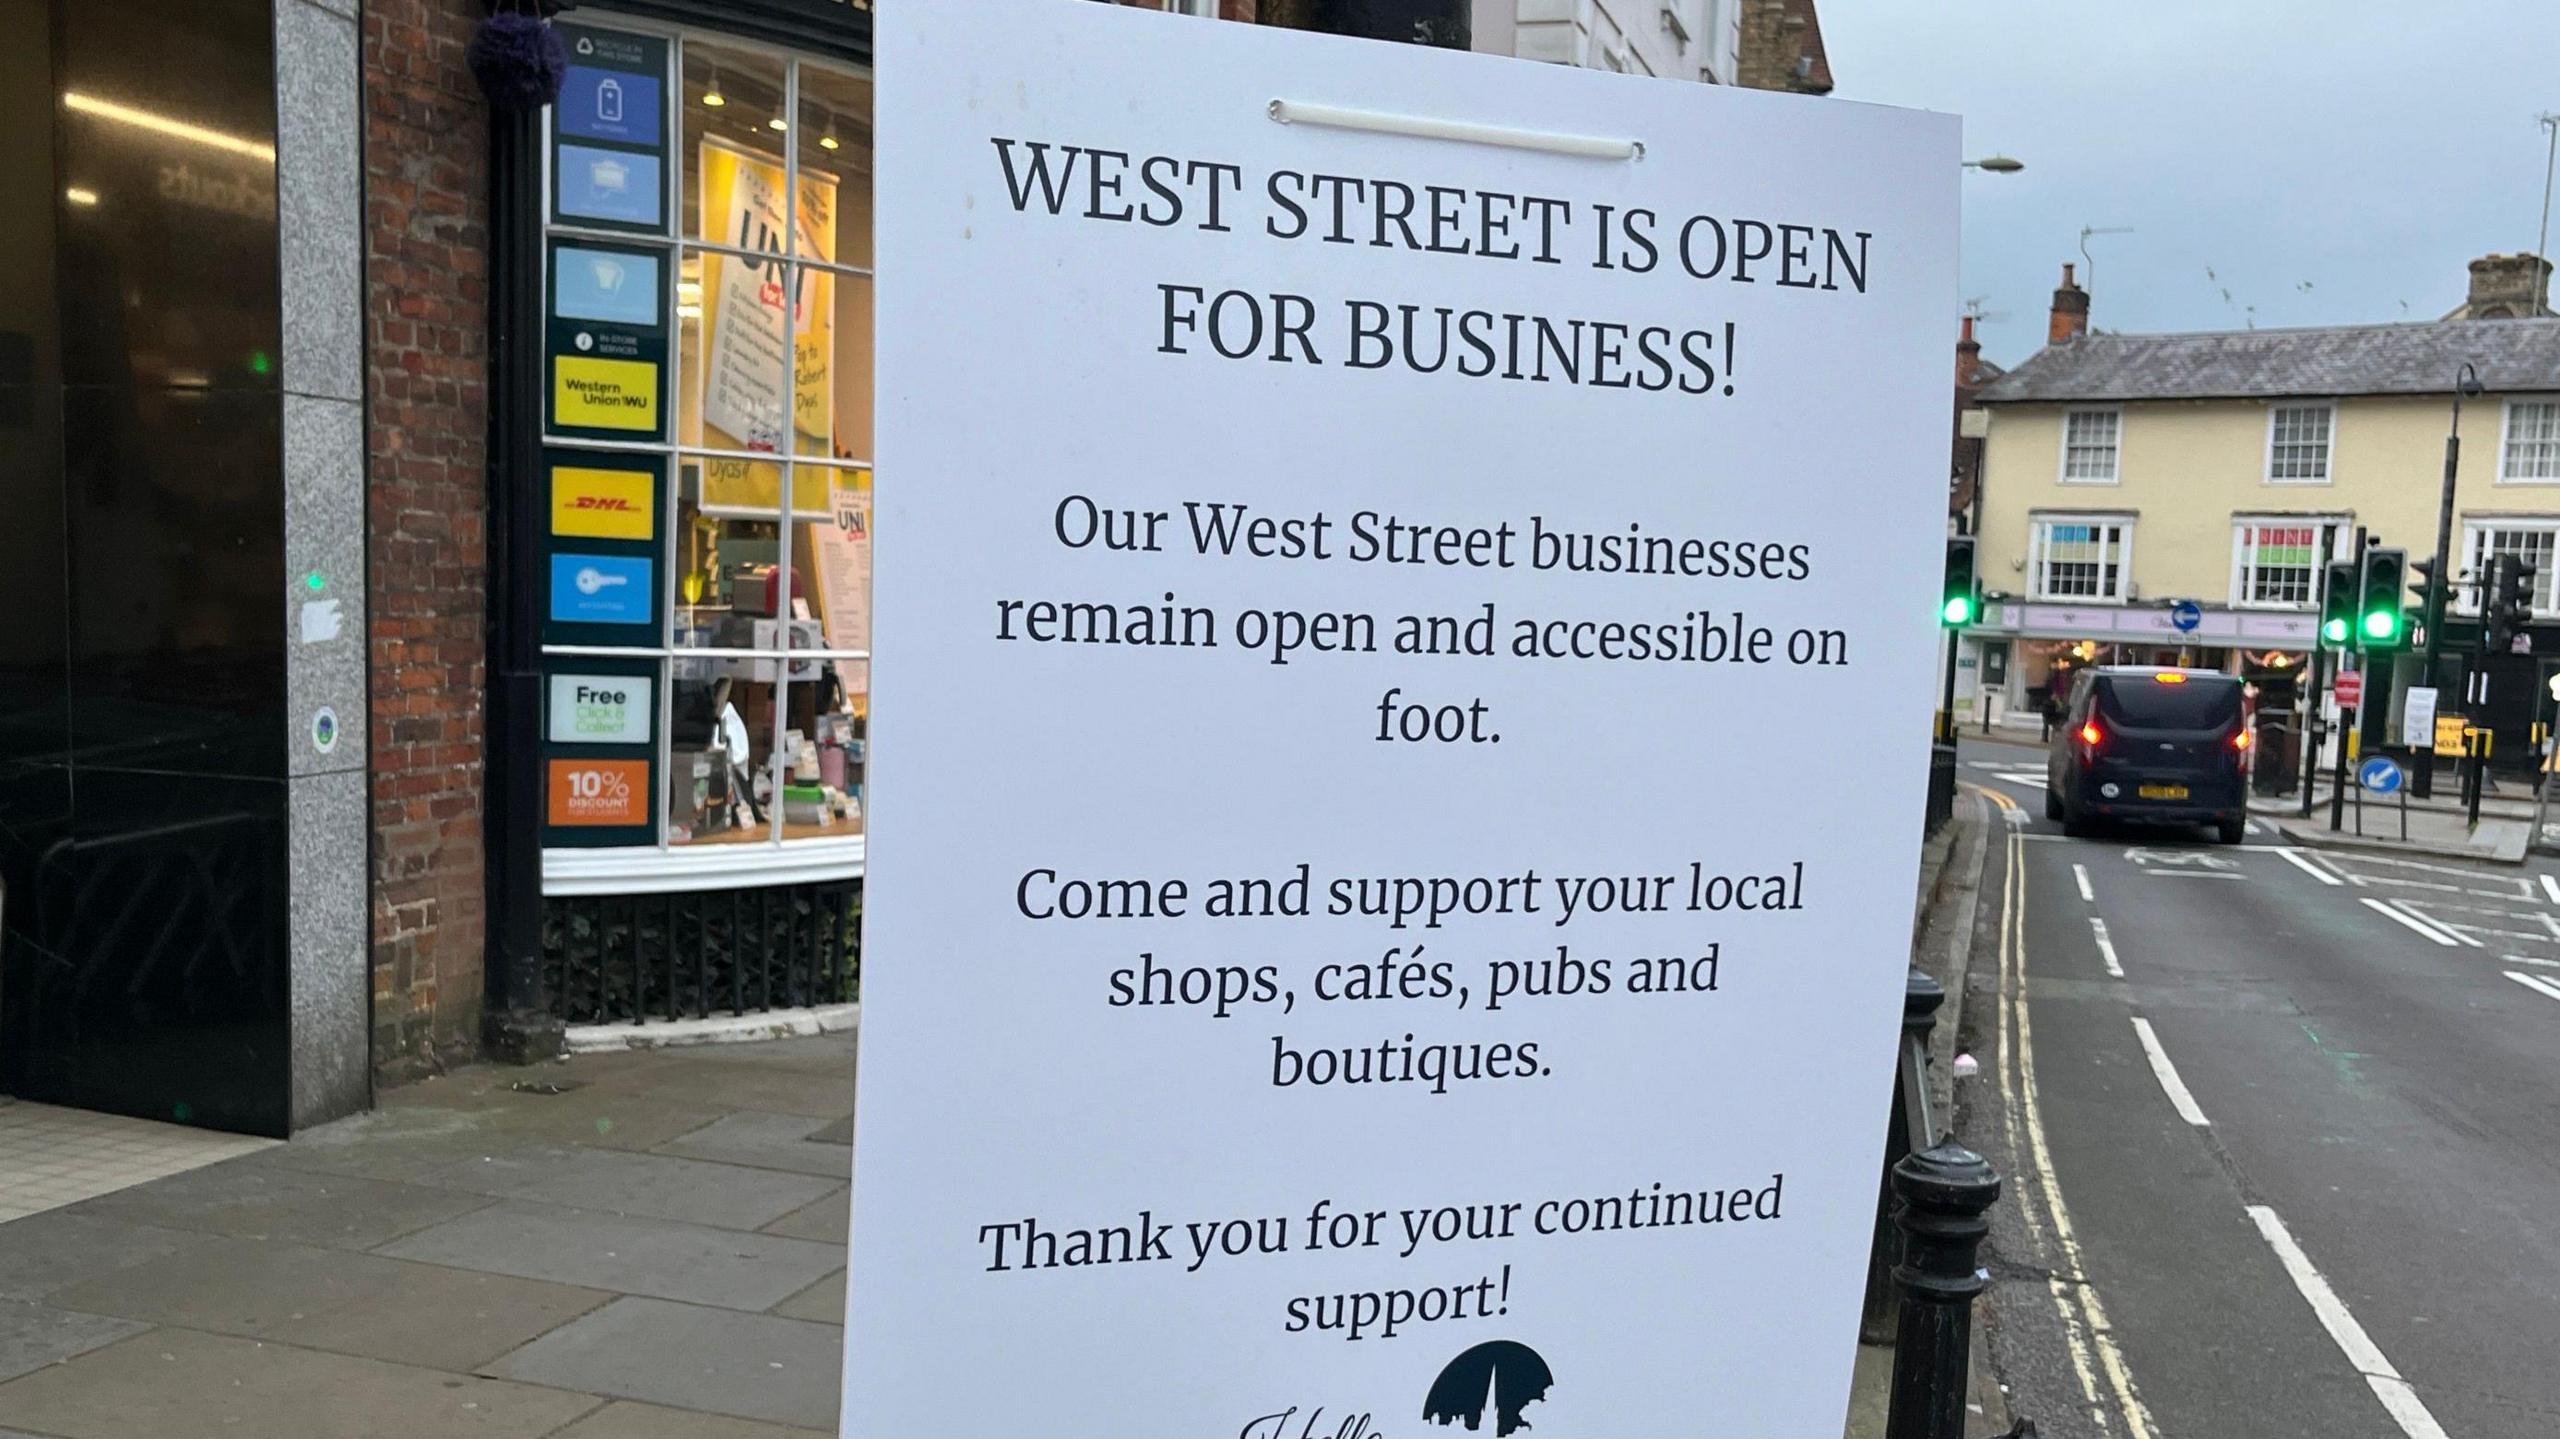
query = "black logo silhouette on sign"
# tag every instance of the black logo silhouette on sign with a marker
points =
(1501, 1374)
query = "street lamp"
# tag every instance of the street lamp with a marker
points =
(2466, 382)
(1997, 164)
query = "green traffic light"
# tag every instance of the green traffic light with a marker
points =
(2335, 632)
(2381, 625)
(1959, 610)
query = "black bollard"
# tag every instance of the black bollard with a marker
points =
(1945, 1191)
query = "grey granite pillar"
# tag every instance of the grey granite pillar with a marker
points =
(320, 209)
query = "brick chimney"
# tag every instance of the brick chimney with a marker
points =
(1968, 357)
(2508, 287)
(2070, 312)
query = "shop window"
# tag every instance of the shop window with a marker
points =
(2531, 454)
(708, 448)
(2089, 446)
(2082, 559)
(2277, 562)
(2536, 542)
(2298, 445)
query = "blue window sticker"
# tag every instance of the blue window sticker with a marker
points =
(601, 589)
(609, 185)
(609, 285)
(609, 105)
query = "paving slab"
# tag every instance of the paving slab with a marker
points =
(784, 1371)
(625, 1420)
(727, 1085)
(820, 1303)
(656, 1257)
(327, 1299)
(656, 1186)
(179, 1384)
(768, 1141)
(44, 1252)
(825, 1221)
(35, 1335)
(253, 1200)
(840, 1132)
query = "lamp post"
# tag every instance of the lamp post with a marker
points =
(1997, 164)
(2466, 382)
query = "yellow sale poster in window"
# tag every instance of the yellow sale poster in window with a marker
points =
(768, 337)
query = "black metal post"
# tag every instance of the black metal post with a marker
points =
(2338, 776)
(1946, 1192)
(1947, 697)
(2466, 381)
(1911, 1128)
(518, 1024)
(2313, 730)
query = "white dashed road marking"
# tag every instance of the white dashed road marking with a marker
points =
(2307, 867)
(2106, 947)
(2551, 887)
(2080, 872)
(2549, 989)
(2432, 933)
(2395, 1393)
(2179, 1099)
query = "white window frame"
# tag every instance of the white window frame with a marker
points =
(2062, 462)
(668, 865)
(2328, 411)
(2476, 530)
(2039, 529)
(2329, 545)
(2506, 441)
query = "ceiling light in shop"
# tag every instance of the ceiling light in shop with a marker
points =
(827, 141)
(79, 196)
(160, 124)
(777, 123)
(711, 95)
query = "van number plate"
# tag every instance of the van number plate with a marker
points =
(2163, 791)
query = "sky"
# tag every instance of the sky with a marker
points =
(2287, 162)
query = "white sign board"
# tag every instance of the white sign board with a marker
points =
(601, 709)
(1401, 735)
(2418, 717)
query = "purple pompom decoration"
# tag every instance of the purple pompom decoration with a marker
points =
(518, 60)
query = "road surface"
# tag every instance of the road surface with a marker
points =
(2281, 1130)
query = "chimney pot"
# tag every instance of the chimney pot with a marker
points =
(2506, 287)
(2070, 319)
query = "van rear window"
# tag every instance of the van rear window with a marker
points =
(2145, 703)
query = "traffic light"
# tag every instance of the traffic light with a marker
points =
(2506, 602)
(2338, 605)
(1960, 600)
(2379, 624)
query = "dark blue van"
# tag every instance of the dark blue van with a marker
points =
(2151, 745)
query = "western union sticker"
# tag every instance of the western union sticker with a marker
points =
(604, 394)
(603, 504)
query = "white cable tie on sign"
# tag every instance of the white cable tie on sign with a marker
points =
(1424, 127)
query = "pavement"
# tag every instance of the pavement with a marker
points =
(632, 1245)
(2277, 1128)
(625, 1246)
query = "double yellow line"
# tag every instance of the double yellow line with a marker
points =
(2091, 1339)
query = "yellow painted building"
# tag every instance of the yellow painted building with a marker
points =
(2157, 498)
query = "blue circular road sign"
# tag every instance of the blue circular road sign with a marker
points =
(2381, 774)
(2186, 615)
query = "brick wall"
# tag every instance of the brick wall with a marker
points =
(427, 244)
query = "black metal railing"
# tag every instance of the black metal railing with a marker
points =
(632, 958)
(1931, 1218)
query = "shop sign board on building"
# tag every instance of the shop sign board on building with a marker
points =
(1324, 972)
